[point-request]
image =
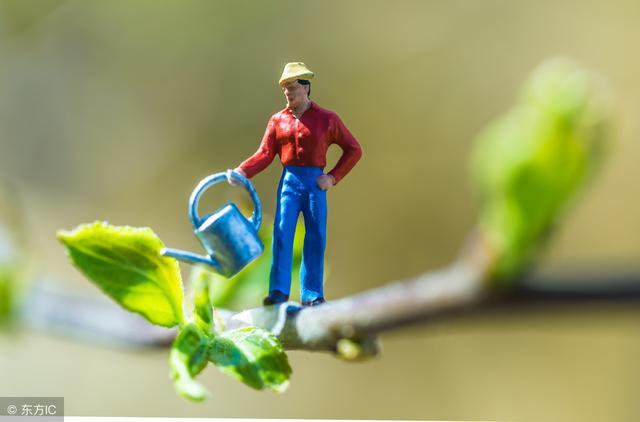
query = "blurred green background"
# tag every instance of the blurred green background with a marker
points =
(115, 109)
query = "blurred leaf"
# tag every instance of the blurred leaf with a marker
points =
(7, 295)
(218, 324)
(203, 311)
(125, 262)
(253, 356)
(13, 251)
(9, 273)
(188, 357)
(250, 286)
(529, 163)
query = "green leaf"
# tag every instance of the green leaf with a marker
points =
(12, 267)
(529, 164)
(188, 357)
(7, 292)
(253, 356)
(203, 311)
(125, 262)
(250, 286)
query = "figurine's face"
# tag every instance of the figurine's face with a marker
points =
(295, 93)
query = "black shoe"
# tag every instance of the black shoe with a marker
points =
(314, 302)
(274, 298)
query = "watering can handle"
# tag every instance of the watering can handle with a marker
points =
(209, 181)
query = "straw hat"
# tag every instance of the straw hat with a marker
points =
(294, 71)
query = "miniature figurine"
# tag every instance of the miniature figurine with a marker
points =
(301, 134)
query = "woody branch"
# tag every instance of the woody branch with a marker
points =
(349, 326)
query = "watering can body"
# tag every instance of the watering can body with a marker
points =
(229, 238)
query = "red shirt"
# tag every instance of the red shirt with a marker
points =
(304, 142)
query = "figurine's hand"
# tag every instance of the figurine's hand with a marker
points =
(235, 182)
(325, 181)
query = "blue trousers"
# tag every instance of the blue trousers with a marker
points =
(298, 192)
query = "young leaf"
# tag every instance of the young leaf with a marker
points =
(253, 356)
(250, 286)
(125, 262)
(7, 292)
(12, 260)
(529, 164)
(188, 357)
(203, 311)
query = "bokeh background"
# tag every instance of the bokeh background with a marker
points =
(113, 110)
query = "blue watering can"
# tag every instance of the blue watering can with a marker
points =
(230, 239)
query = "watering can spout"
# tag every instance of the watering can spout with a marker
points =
(191, 257)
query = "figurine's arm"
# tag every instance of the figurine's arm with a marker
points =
(350, 147)
(265, 154)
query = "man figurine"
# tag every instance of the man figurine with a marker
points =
(301, 134)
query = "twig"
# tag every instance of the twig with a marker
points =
(457, 290)
(347, 326)
(354, 321)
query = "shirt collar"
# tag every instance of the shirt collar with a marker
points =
(313, 106)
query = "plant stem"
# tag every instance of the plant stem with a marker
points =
(362, 316)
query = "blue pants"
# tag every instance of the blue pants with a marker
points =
(298, 192)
